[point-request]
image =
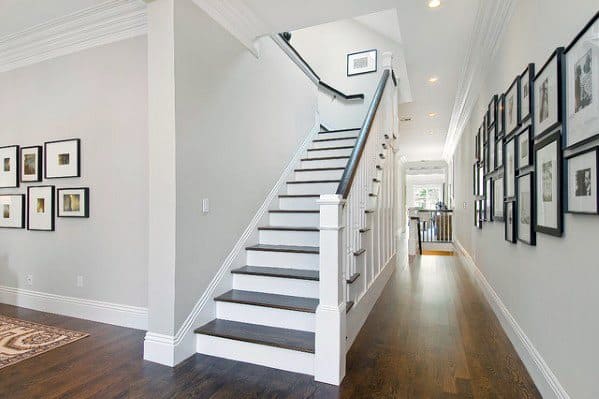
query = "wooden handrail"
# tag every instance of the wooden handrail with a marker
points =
(354, 160)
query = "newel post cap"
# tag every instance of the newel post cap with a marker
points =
(387, 60)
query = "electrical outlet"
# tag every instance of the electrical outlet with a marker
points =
(79, 281)
(29, 279)
(205, 205)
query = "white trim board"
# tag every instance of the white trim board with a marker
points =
(545, 380)
(171, 350)
(103, 312)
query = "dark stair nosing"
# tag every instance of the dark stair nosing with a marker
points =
(387, 136)
(301, 341)
(298, 274)
(325, 158)
(312, 181)
(345, 147)
(285, 302)
(294, 211)
(382, 156)
(359, 252)
(318, 169)
(353, 278)
(348, 306)
(376, 180)
(335, 139)
(364, 230)
(297, 249)
(339, 130)
(299, 196)
(384, 146)
(379, 167)
(284, 228)
(368, 211)
(372, 195)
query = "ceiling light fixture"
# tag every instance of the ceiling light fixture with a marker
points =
(433, 79)
(434, 3)
(432, 114)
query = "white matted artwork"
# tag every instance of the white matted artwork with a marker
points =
(9, 166)
(524, 148)
(582, 183)
(40, 208)
(548, 185)
(510, 225)
(525, 229)
(548, 95)
(73, 202)
(510, 169)
(63, 158)
(498, 199)
(361, 62)
(512, 107)
(12, 211)
(31, 164)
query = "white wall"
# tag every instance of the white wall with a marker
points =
(550, 289)
(100, 96)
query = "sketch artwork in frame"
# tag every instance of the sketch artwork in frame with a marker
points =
(12, 211)
(500, 130)
(475, 179)
(361, 62)
(9, 166)
(481, 144)
(525, 145)
(62, 158)
(499, 153)
(489, 200)
(40, 208)
(73, 202)
(492, 154)
(583, 182)
(481, 181)
(548, 196)
(510, 221)
(582, 86)
(549, 94)
(492, 112)
(31, 164)
(512, 107)
(510, 168)
(526, 93)
(498, 199)
(525, 214)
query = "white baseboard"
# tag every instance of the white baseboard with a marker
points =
(103, 312)
(545, 380)
(171, 350)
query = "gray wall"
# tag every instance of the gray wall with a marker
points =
(100, 96)
(239, 120)
(550, 289)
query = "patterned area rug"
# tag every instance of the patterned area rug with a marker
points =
(20, 340)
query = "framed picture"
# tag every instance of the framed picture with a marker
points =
(73, 202)
(492, 112)
(526, 93)
(489, 200)
(361, 62)
(40, 208)
(480, 213)
(485, 130)
(492, 154)
(477, 154)
(499, 153)
(475, 179)
(498, 199)
(548, 171)
(525, 144)
(481, 181)
(482, 141)
(510, 168)
(9, 166)
(512, 107)
(526, 231)
(583, 182)
(31, 164)
(487, 159)
(510, 225)
(582, 86)
(62, 158)
(500, 131)
(12, 211)
(549, 94)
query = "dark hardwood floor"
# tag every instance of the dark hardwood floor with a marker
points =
(431, 335)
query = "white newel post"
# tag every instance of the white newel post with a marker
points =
(329, 361)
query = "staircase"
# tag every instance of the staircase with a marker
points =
(268, 318)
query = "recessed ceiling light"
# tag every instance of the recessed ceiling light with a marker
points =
(432, 114)
(434, 3)
(433, 79)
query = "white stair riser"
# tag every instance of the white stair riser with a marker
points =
(312, 188)
(294, 219)
(263, 355)
(343, 152)
(319, 175)
(337, 135)
(286, 237)
(298, 203)
(265, 316)
(282, 259)
(276, 285)
(324, 163)
(333, 143)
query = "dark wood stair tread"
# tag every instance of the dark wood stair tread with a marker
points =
(345, 147)
(359, 252)
(365, 230)
(340, 130)
(294, 211)
(353, 278)
(324, 158)
(348, 306)
(302, 341)
(295, 303)
(335, 139)
(284, 248)
(298, 274)
(318, 169)
(299, 196)
(285, 228)
(312, 181)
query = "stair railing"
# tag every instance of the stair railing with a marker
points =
(357, 228)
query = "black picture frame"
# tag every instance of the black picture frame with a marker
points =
(515, 85)
(17, 171)
(499, 151)
(507, 206)
(529, 73)
(40, 162)
(492, 112)
(500, 130)
(498, 201)
(570, 157)
(520, 202)
(51, 208)
(489, 206)
(547, 140)
(477, 149)
(526, 132)
(85, 207)
(475, 179)
(507, 173)
(23, 211)
(78, 164)
(485, 130)
(362, 52)
(540, 132)
(487, 159)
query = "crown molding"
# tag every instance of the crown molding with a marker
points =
(491, 19)
(107, 22)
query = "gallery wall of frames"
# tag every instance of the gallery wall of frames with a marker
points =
(37, 209)
(537, 149)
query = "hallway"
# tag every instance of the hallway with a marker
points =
(431, 335)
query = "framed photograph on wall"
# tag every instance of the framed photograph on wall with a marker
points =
(489, 200)
(361, 62)
(549, 94)
(40, 208)
(487, 160)
(510, 221)
(492, 112)
(499, 153)
(481, 181)
(477, 147)
(526, 93)
(525, 145)
(31, 164)
(526, 231)
(9, 166)
(500, 131)
(62, 158)
(492, 164)
(510, 168)
(73, 202)
(498, 198)
(548, 196)
(582, 86)
(583, 182)
(12, 211)
(512, 107)
(475, 179)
